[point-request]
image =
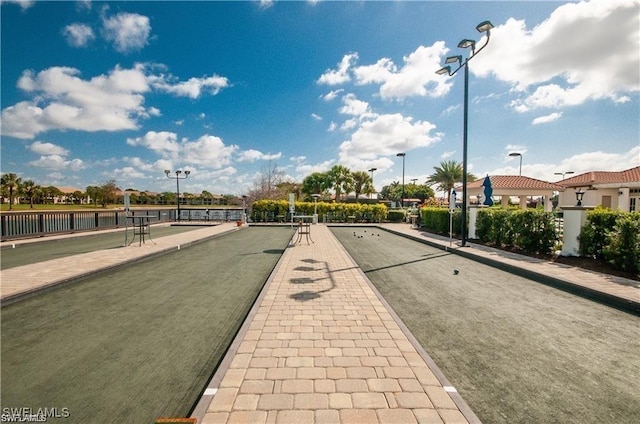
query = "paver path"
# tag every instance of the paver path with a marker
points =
(323, 348)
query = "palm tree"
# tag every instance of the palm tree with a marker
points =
(12, 183)
(447, 175)
(316, 183)
(361, 183)
(342, 180)
(31, 190)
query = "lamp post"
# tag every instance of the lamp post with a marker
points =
(178, 177)
(563, 173)
(485, 26)
(579, 195)
(372, 186)
(244, 208)
(315, 207)
(513, 155)
(402, 155)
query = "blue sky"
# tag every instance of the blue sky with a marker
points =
(94, 91)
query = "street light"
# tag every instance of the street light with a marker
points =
(579, 195)
(513, 155)
(178, 178)
(484, 26)
(413, 181)
(372, 186)
(315, 207)
(563, 173)
(402, 155)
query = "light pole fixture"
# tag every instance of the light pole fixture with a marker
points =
(486, 27)
(513, 155)
(178, 177)
(563, 173)
(315, 204)
(579, 195)
(413, 181)
(402, 155)
(372, 186)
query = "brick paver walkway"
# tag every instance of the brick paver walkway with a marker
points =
(322, 347)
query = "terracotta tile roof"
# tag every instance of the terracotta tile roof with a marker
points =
(602, 177)
(516, 182)
(70, 190)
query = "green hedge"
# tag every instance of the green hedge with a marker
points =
(274, 210)
(531, 230)
(436, 219)
(396, 215)
(613, 237)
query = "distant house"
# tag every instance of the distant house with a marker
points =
(507, 186)
(67, 195)
(615, 190)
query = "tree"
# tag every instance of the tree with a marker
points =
(392, 191)
(107, 192)
(342, 180)
(361, 183)
(447, 175)
(11, 184)
(50, 193)
(31, 190)
(316, 183)
(93, 192)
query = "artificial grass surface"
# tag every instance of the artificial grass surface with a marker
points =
(139, 342)
(31, 253)
(516, 350)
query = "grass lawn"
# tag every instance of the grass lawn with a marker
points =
(140, 342)
(516, 350)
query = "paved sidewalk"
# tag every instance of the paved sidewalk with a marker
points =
(622, 292)
(23, 280)
(322, 347)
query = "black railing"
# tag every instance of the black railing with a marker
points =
(16, 225)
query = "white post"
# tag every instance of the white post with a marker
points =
(574, 219)
(473, 218)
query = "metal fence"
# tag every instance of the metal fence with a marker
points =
(16, 225)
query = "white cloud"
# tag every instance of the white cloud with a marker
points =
(63, 100)
(579, 164)
(340, 75)
(386, 135)
(548, 118)
(209, 151)
(163, 143)
(332, 95)
(78, 35)
(415, 78)
(305, 169)
(584, 51)
(354, 107)
(252, 155)
(265, 4)
(58, 163)
(47, 149)
(24, 4)
(316, 117)
(446, 155)
(191, 88)
(128, 31)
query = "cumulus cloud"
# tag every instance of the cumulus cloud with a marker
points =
(415, 78)
(42, 148)
(78, 35)
(340, 75)
(583, 51)
(547, 118)
(62, 100)
(163, 143)
(386, 135)
(332, 95)
(58, 163)
(252, 155)
(127, 31)
(24, 4)
(192, 88)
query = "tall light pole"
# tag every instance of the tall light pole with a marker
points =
(513, 155)
(485, 26)
(372, 186)
(402, 155)
(563, 173)
(178, 177)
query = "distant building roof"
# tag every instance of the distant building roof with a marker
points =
(516, 182)
(602, 177)
(70, 190)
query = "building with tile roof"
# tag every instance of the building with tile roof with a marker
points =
(507, 186)
(616, 190)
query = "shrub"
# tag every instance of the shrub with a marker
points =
(269, 210)
(593, 235)
(395, 215)
(623, 243)
(437, 220)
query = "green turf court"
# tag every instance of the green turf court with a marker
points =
(139, 342)
(516, 350)
(31, 253)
